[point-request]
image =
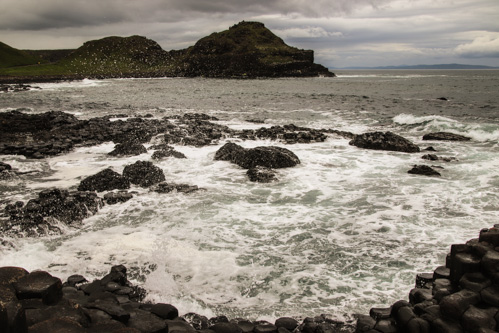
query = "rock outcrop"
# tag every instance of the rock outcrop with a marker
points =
(445, 136)
(462, 296)
(37, 302)
(384, 141)
(143, 173)
(424, 170)
(105, 180)
(248, 49)
(269, 157)
(52, 210)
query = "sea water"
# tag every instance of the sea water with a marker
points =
(345, 230)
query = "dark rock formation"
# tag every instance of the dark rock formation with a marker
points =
(424, 170)
(270, 157)
(165, 187)
(53, 206)
(112, 198)
(384, 141)
(128, 149)
(39, 302)
(462, 296)
(166, 151)
(261, 175)
(446, 136)
(5, 167)
(248, 49)
(433, 157)
(143, 173)
(289, 134)
(105, 180)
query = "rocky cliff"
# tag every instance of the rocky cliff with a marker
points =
(246, 50)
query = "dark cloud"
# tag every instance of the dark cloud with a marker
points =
(342, 32)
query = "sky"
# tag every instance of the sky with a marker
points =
(343, 33)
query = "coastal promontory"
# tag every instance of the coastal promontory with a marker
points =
(245, 50)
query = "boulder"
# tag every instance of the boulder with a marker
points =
(270, 157)
(445, 136)
(143, 173)
(424, 170)
(105, 180)
(41, 285)
(384, 141)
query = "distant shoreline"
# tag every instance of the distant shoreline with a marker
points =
(423, 67)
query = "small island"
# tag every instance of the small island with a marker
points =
(245, 50)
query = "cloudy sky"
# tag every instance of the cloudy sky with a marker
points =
(341, 32)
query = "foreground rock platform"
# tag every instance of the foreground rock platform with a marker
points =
(37, 302)
(460, 296)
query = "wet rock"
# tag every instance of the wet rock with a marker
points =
(286, 322)
(105, 180)
(39, 285)
(164, 153)
(261, 175)
(128, 149)
(424, 170)
(384, 141)
(112, 198)
(445, 136)
(53, 209)
(165, 187)
(57, 325)
(143, 173)
(197, 321)
(5, 167)
(270, 157)
(226, 328)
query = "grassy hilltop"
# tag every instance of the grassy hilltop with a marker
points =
(247, 49)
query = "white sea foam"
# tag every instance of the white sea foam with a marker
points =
(345, 230)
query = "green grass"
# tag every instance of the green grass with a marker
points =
(10, 57)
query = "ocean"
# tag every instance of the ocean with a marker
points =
(346, 230)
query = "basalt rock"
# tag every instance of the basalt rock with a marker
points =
(446, 136)
(462, 296)
(105, 180)
(289, 134)
(128, 149)
(424, 170)
(261, 175)
(384, 141)
(165, 187)
(53, 209)
(143, 173)
(269, 157)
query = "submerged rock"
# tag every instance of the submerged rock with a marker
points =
(261, 175)
(446, 136)
(424, 170)
(384, 141)
(269, 157)
(165, 187)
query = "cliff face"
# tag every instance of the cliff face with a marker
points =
(248, 49)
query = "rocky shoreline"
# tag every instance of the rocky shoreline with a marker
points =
(462, 296)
